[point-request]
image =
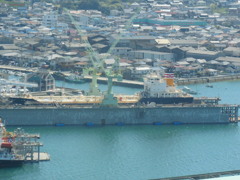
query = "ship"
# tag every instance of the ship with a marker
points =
(163, 90)
(18, 147)
(8, 158)
(161, 102)
(188, 90)
(74, 78)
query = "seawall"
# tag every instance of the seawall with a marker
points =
(210, 79)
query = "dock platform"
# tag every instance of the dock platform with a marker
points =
(205, 176)
(42, 157)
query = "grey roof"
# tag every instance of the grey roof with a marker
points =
(203, 52)
(9, 46)
(147, 51)
(229, 59)
(232, 49)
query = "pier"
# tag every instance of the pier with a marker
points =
(27, 147)
(36, 157)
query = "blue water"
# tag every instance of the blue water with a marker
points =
(136, 152)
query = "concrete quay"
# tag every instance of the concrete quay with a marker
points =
(200, 80)
(17, 68)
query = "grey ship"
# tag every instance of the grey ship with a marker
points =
(160, 103)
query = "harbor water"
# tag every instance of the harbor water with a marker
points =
(136, 152)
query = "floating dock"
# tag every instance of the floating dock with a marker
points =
(205, 176)
(124, 114)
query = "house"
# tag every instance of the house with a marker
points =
(6, 40)
(178, 52)
(135, 42)
(50, 20)
(81, 65)
(139, 72)
(121, 51)
(184, 42)
(201, 54)
(186, 71)
(232, 51)
(212, 72)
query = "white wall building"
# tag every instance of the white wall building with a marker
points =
(50, 20)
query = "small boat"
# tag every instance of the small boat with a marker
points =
(75, 79)
(59, 76)
(209, 85)
(188, 90)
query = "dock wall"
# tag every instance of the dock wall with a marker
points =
(110, 116)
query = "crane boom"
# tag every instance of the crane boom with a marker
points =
(128, 24)
(109, 99)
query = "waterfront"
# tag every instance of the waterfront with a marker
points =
(136, 152)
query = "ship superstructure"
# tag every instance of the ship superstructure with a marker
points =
(161, 90)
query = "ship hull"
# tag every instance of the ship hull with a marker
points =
(11, 163)
(22, 101)
(124, 115)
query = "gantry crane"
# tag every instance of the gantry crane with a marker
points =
(109, 99)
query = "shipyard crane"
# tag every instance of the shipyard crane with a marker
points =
(92, 56)
(108, 99)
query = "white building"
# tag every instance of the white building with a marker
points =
(139, 72)
(50, 20)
